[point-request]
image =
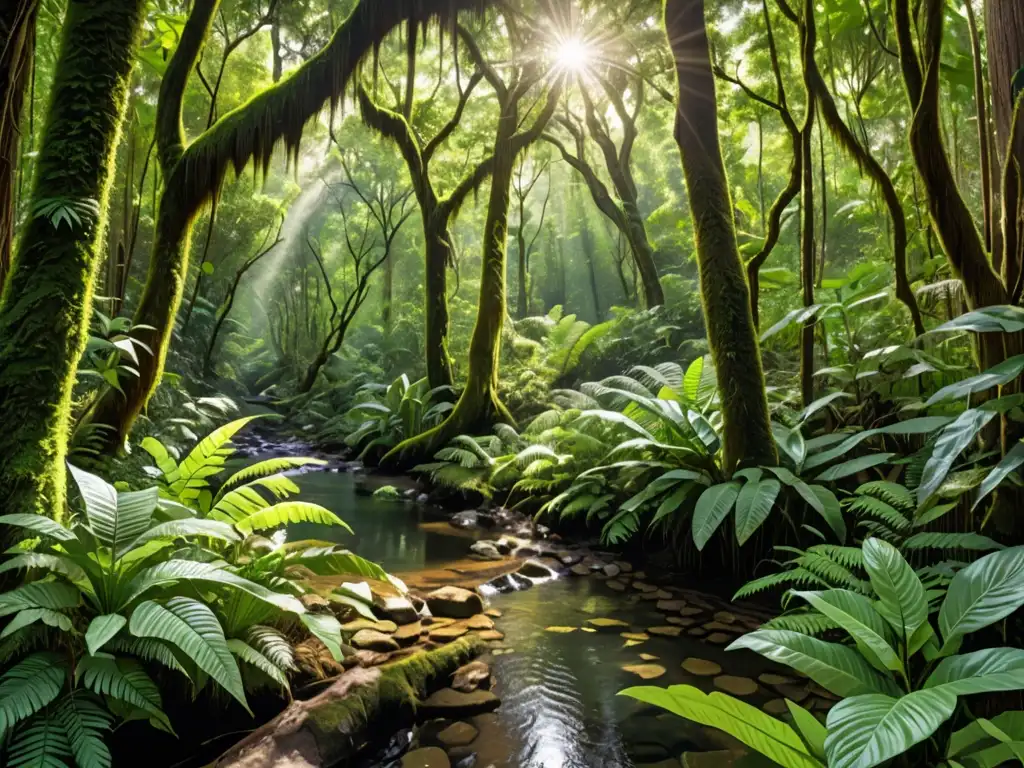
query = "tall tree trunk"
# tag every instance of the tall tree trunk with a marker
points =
(643, 254)
(522, 300)
(587, 244)
(438, 253)
(747, 437)
(46, 304)
(808, 41)
(17, 46)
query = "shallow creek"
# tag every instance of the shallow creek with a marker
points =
(560, 707)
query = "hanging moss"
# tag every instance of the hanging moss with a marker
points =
(47, 300)
(747, 436)
(247, 134)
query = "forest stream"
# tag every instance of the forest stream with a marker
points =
(555, 711)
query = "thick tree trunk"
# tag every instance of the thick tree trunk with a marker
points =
(46, 304)
(587, 243)
(438, 254)
(808, 41)
(1004, 30)
(643, 255)
(731, 333)
(17, 45)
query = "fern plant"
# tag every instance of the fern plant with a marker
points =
(899, 680)
(113, 592)
(388, 414)
(252, 499)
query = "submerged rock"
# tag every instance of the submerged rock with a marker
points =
(701, 667)
(466, 519)
(454, 603)
(486, 550)
(509, 582)
(455, 704)
(427, 757)
(458, 734)
(536, 570)
(737, 686)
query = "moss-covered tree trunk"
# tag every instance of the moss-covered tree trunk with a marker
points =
(17, 46)
(643, 254)
(747, 437)
(438, 257)
(46, 304)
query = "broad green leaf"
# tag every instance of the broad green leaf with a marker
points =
(981, 594)
(327, 629)
(920, 426)
(711, 509)
(55, 595)
(290, 512)
(191, 527)
(811, 730)
(41, 560)
(996, 376)
(857, 616)
(853, 466)
(38, 524)
(986, 671)
(30, 616)
(1010, 462)
(331, 561)
(900, 592)
(865, 731)
(836, 668)
(101, 629)
(254, 658)
(753, 505)
(952, 441)
(194, 629)
(770, 737)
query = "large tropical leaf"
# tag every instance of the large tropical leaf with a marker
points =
(38, 524)
(753, 505)
(900, 591)
(711, 509)
(46, 562)
(270, 467)
(981, 594)
(187, 528)
(857, 616)
(31, 615)
(920, 426)
(55, 595)
(206, 459)
(254, 658)
(817, 497)
(836, 668)
(102, 629)
(122, 679)
(952, 441)
(331, 561)
(193, 628)
(1000, 374)
(865, 731)
(985, 671)
(290, 512)
(29, 686)
(327, 629)
(761, 732)
(1010, 462)
(40, 743)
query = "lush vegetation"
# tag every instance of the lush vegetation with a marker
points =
(735, 282)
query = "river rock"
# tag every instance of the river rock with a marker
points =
(385, 626)
(737, 686)
(701, 667)
(773, 680)
(624, 566)
(717, 626)
(398, 609)
(570, 558)
(725, 617)
(446, 634)
(603, 623)
(458, 734)
(408, 634)
(616, 585)
(509, 582)
(465, 519)
(775, 707)
(690, 611)
(494, 613)
(454, 603)
(641, 586)
(665, 631)
(452, 704)
(719, 638)
(794, 693)
(580, 570)
(670, 606)
(533, 569)
(611, 570)
(372, 640)
(485, 550)
(696, 631)
(427, 757)
(469, 677)
(490, 635)
(645, 671)
(679, 621)
(526, 550)
(480, 621)
(367, 658)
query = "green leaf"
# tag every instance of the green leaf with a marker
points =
(122, 679)
(836, 668)
(986, 671)
(853, 466)
(41, 560)
(187, 528)
(101, 629)
(865, 731)
(290, 512)
(29, 686)
(770, 737)
(899, 590)
(712, 508)
(31, 615)
(254, 658)
(1010, 462)
(332, 561)
(753, 505)
(194, 629)
(39, 743)
(996, 376)
(986, 591)
(951, 443)
(857, 616)
(810, 729)
(55, 595)
(327, 629)
(84, 721)
(830, 510)
(38, 524)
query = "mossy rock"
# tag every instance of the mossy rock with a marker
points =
(388, 493)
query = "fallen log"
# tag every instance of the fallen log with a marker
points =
(330, 728)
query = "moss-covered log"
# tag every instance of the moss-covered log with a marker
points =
(329, 730)
(724, 291)
(247, 134)
(47, 300)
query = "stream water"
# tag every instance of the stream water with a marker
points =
(560, 707)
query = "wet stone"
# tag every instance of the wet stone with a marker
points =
(623, 566)
(408, 634)
(427, 757)
(490, 634)
(725, 617)
(794, 693)
(719, 638)
(645, 671)
(494, 613)
(618, 586)
(737, 686)
(372, 640)
(445, 634)
(690, 611)
(457, 735)
(471, 676)
(771, 679)
(603, 623)
(386, 627)
(696, 631)
(665, 631)
(480, 621)
(635, 636)
(671, 606)
(679, 621)
(776, 707)
(580, 570)
(454, 602)
(641, 586)
(400, 610)
(611, 570)
(454, 704)
(701, 667)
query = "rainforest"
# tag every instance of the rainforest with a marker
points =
(511, 383)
